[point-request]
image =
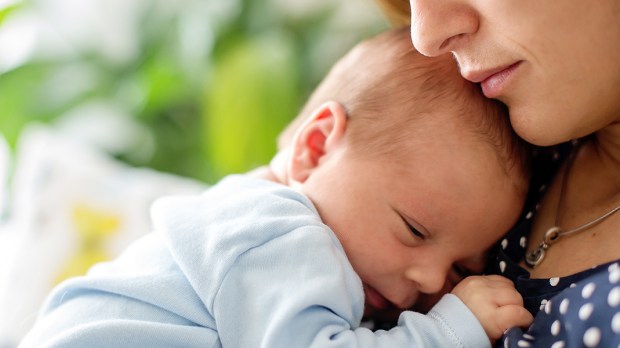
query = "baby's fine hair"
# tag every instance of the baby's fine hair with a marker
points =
(385, 85)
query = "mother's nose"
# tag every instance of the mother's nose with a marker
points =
(438, 26)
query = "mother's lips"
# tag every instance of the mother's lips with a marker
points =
(481, 75)
(493, 82)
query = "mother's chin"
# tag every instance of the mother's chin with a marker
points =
(544, 123)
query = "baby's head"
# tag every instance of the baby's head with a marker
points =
(412, 168)
(384, 85)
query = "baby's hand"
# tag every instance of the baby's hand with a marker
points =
(495, 302)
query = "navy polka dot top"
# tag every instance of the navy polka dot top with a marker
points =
(580, 310)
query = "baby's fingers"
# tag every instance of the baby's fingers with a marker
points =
(511, 316)
(507, 296)
(498, 279)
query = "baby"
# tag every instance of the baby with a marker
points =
(391, 184)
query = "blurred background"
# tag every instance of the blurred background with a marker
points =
(106, 105)
(198, 88)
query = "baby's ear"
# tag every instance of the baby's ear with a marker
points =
(316, 138)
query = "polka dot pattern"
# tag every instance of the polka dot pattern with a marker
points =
(588, 290)
(558, 344)
(582, 309)
(614, 297)
(592, 337)
(523, 343)
(587, 315)
(614, 275)
(555, 328)
(548, 307)
(564, 306)
(615, 323)
(504, 243)
(585, 311)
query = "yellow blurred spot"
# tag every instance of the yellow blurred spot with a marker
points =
(93, 228)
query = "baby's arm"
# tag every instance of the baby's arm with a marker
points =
(495, 302)
(314, 299)
(277, 277)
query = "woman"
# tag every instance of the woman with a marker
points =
(556, 65)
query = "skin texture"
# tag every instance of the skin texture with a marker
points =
(408, 143)
(555, 43)
(565, 85)
(455, 215)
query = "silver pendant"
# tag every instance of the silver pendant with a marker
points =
(534, 258)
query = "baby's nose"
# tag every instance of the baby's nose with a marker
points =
(430, 280)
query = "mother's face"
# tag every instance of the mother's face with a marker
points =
(555, 63)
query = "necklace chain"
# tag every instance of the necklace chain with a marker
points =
(591, 223)
(535, 257)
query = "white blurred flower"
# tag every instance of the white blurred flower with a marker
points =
(105, 27)
(107, 127)
(5, 160)
(300, 9)
(6, 3)
(347, 14)
(17, 41)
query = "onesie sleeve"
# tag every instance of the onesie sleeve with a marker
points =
(271, 274)
(300, 291)
(139, 300)
(586, 314)
(246, 264)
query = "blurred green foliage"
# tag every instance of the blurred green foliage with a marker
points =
(212, 83)
(254, 92)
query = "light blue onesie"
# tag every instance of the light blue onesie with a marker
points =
(246, 264)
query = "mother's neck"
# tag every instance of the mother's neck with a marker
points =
(604, 148)
(592, 188)
(595, 176)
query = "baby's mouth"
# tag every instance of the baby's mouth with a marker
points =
(375, 299)
(378, 308)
